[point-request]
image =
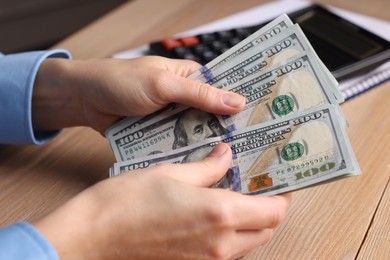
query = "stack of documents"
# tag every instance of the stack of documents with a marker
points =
(290, 135)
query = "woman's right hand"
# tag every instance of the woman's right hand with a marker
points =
(164, 212)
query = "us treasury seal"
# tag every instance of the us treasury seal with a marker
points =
(282, 105)
(292, 151)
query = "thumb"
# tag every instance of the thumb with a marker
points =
(203, 96)
(204, 173)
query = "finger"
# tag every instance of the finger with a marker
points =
(203, 173)
(234, 244)
(200, 95)
(269, 213)
(248, 240)
(256, 212)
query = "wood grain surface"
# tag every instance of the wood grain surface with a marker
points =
(347, 219)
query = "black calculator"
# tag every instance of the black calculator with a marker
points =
(345, 48)
(204, 47)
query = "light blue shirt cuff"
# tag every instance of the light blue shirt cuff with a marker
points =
(23, 241)
(17, 76)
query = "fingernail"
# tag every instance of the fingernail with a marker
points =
(218, 151)
(233, 100)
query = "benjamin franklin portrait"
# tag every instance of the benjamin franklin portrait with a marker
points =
(194, 126)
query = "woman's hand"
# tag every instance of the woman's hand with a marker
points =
(97, 93)
(164, 212)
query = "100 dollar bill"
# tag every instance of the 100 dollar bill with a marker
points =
(264, 34)
(277, 49)
(294, 86)
(274, 157)
(280, 48)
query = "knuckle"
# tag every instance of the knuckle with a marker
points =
(276, 217)
(159, 79)
(161, 82)
(221, 215)
(218, 251)
(189, 66)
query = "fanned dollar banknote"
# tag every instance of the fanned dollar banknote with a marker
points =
(293, 86)
(273, 157)
(290, 135)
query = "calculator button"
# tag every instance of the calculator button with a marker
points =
(190, 56)
(225, 35)
(201, 48)
(208, 55)
(219, 47)
(234, 41)
(207, 37)
(180, 52)
(190, 41)
(170, 44)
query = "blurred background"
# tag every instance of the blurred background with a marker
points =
(38, 24)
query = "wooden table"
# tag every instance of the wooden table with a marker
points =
(347, 219)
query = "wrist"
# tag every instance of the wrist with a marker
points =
(55, 102)
(71, 229)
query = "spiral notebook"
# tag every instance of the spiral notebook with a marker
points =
(353, 87)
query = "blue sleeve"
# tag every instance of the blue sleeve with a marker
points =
(23, 241)
(17, 76)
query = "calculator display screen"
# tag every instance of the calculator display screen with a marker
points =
(338, 42)
(340, 35)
